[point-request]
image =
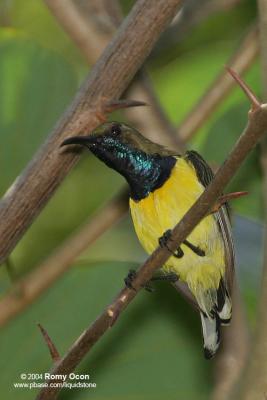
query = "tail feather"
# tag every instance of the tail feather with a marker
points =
(224, 304)
(215, 310)
(211, 334)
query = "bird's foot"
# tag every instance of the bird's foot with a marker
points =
(163, 242)
(128, 280)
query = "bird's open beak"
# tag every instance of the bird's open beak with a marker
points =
(81, 140)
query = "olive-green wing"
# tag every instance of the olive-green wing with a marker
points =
(205, 175)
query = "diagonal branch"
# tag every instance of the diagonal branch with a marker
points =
(257, 126)
(107, 80)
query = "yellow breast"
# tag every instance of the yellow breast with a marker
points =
(162, 209)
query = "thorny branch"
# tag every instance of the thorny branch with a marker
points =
(256, 127)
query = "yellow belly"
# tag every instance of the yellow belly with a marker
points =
(162, 209)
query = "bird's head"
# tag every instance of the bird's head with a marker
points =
(124, 149)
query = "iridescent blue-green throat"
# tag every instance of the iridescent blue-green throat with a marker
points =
(144, 164)
(143, 172)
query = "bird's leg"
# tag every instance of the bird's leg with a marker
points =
(195, 249)
(163, 242)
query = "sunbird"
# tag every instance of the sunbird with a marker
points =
(163, 186)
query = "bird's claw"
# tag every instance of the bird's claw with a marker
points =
(128, 280)
(163, 242)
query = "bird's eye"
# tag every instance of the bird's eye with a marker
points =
(116, 130)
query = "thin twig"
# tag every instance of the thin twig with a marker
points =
(31, 286)
(240, 61)
(257, 126)
(50, 344)
(107, 80)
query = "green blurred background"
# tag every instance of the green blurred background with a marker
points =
(155, 349)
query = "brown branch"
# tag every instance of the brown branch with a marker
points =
(51, 346)
(240, 61)
(257, 126)
(253, 385)
(27, 289)
(107, 80)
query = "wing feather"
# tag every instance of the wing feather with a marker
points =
(222, 216)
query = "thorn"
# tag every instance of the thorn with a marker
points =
(52, 348)
(227, 197)
(255, 103)
(114, 105)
